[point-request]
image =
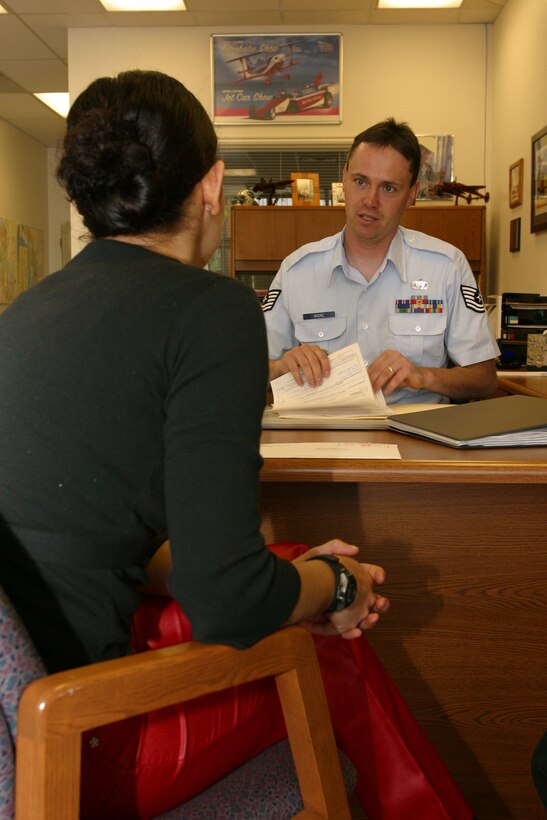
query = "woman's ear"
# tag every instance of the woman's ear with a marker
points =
(211, 186)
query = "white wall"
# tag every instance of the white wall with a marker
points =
(484, 84)
(58, 211)
(23, 180)
(517, 110)
(487, 85)
(432, 76)
(29, 193)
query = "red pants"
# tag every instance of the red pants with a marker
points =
(143, 766)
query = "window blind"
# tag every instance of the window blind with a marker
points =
(247, 165)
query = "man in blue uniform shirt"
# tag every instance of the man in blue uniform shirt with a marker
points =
(410, 300)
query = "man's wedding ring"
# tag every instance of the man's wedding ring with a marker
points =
(391, 370)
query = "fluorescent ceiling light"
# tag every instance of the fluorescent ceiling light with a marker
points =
(419, 4)
(143, 5)
(57, 101)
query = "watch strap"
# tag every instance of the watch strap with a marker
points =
(345, 587)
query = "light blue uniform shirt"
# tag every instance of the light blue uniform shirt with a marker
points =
(317, 297)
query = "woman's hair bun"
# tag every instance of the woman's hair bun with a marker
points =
(135, 147)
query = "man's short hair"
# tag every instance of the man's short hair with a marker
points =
(396, 135)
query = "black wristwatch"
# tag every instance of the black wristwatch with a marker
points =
(346, 585)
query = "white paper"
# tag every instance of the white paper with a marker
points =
(345, 393)
(329, 449)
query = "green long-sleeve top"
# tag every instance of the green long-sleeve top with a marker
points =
(131, 393)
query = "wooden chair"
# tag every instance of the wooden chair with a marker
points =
(56, 709)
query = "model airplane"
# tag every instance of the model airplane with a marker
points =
(252, 68)
(270, 188)
(458, 189)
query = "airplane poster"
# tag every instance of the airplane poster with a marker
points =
(276, 78)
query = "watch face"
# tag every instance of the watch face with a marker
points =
(351, 590)
(346, 589)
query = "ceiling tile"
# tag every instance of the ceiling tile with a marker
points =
(230, 6)
(477, 15)
(55, 6)
(34, 41)
(333, 18)
(144, 19)
(16, 40)
(489, 5)
(329, 5)
(37, 75)
(7, 86)
(17, 106)
(414, 16)
(49, 133)
(226, 18)
(52, 28)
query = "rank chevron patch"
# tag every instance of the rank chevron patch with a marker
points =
(472, 298)
(270, 299)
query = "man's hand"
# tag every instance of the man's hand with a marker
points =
(308, 363)
(459, 383)
(392, 370)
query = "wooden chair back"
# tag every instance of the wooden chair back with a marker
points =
(55, 710)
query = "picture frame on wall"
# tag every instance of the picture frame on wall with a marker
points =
(338, 194)
(305, 190)
(261, 79)
(538, 221)
(516, 175)
(514, 235)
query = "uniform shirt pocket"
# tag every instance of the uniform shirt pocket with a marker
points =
(324, 332)
(419, 337)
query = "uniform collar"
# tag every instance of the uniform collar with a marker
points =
(395, 254)
(339, 258)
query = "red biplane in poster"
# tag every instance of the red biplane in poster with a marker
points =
(252, 67)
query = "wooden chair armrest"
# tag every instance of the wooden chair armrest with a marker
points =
(55, 710)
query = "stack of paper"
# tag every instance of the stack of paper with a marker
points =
(346, 393)
(344, 401)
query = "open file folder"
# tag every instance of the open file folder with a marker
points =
(511, 421)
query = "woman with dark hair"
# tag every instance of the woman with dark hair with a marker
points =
(132, 384)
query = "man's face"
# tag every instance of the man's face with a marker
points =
(377, 190)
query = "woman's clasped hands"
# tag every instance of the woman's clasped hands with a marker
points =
(365, 611)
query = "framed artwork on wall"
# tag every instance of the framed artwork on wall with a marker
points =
(538, 221)
(9, 283)
(30, 255)
(305, 190)
(516, 172)
(514, 235)
(276, 78)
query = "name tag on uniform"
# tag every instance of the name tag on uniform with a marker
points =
(325, 314)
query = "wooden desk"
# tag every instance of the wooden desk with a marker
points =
(463, 538)
(527, 384)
